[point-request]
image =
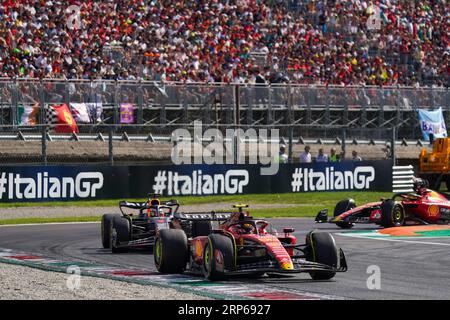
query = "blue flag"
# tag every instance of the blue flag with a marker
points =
(432, 122)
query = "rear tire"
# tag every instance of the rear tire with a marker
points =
(120, 233)
(341, 207)
(218, 256)
(392, 214)
(323, 249)
(171, 251)
(201, 228)
(105, 229)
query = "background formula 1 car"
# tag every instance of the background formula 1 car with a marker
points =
(241, 245)
(120, 232)
(423, 206)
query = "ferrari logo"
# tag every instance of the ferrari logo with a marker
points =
(68, 118)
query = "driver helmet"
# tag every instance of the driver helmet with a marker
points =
(247, 228)
(154, 212)
(420, 184)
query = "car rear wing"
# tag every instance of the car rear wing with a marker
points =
(132, 205)
(145, 205)
(206, 216)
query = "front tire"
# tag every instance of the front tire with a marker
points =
(105, 229)
(171, 251)
(218, 256)
(392, 214)
(120, 234)
(322, 249)
(341, 207)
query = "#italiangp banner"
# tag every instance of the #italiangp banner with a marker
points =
(68, 183)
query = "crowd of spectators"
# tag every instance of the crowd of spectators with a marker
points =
(244, 41)
(306, 156)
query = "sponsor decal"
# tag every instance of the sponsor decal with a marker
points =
(433, 210)
(197, 183)
(307, 179)
(44, 186)
(375, 215)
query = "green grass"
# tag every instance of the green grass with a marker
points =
(48, 220)
(290, 198)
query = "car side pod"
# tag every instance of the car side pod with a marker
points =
(322, 216)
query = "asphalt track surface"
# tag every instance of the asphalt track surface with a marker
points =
(410, 269)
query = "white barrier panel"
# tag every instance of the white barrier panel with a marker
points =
(402, 179)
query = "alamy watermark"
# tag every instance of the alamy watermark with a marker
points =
(73, 281)
(262, 146)
(74, 17)
(374, 20)
(374, 280)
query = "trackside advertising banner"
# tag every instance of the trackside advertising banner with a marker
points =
(60, 183)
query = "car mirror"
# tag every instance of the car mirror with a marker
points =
(322, 216)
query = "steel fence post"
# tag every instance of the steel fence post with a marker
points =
(44, 144)
(308, 104)
(446, 107)
(269, 104)
(343, 145)
(140, 97)
(291, 138)
(116, 104)
(236, 124)
(42, 102)
(248, 99)
(237, 105)
(393, 155)
(110, 146)
(66, 93)
(14, 103)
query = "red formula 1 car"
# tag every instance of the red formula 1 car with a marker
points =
(423, 206)
(243, 245)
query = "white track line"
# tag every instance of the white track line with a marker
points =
(400, 240)
(46, 224)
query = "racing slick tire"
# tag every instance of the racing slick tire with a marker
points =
(447, 183)
(171, 251)
(218, 255)
(392, 214)
(341, 207)
(105, 229)
(120, 233)
(323, 249)
(201, 228)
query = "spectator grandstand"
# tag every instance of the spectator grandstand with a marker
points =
(246, 41)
